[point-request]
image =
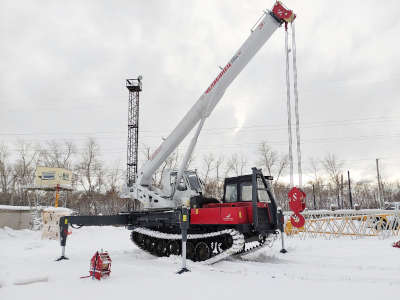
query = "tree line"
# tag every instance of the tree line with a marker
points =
(97, 185)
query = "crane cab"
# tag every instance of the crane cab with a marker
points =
(240, 189)
(248, 200)
(189, 186)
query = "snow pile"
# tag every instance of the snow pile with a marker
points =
(313, 269)
(11, 207)
(44, 208)
(58, 209)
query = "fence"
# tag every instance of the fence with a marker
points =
(346, 223)
(16, 217)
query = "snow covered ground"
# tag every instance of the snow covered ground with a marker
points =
(313, 269)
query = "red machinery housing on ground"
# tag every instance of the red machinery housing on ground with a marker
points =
(100, 265)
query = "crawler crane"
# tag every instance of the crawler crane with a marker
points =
(213, 229)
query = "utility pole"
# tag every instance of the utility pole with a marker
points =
(313, 193)
(337, 191)
(341, 192)
(350, 196)
(380, 198)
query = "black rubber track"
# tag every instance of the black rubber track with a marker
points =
(196, 249)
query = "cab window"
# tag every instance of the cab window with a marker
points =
(173, 178)
(194, 182)
(246, 189)
(262, 191)
(231, 193)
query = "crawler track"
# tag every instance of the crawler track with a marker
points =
(260, 245)
(207, 248)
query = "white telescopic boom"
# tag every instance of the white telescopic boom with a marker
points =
(210, 98)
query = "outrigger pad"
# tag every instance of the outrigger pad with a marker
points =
(62, 258)
(283, 250)
(183, 270)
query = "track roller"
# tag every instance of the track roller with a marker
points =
(202, 251)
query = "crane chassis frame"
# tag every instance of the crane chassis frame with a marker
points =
(169, 223)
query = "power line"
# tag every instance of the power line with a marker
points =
(206, 130)
(273, 143)
(327, 84)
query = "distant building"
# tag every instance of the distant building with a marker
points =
(49, 178)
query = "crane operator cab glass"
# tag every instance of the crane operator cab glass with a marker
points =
(190, 179)
(240, 189)
(231, 193)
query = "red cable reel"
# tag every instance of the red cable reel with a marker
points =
(100, 265)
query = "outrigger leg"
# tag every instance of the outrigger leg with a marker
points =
(281, 222)
(184, 222)
(63, 237)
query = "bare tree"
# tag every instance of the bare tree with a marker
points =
(211, 184)
(281, 167)
(218, 165)
(270, 160)
(58, 155)
(317, 178)
(236, 164)
(364, 193)
(98, 187)
(333, 168)
(115, 177)
(89, 166)
(314, 167)
(6, 171)
(24, 169)
(268, 157)
(208, 162)
(100, 175)
(145, 154)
